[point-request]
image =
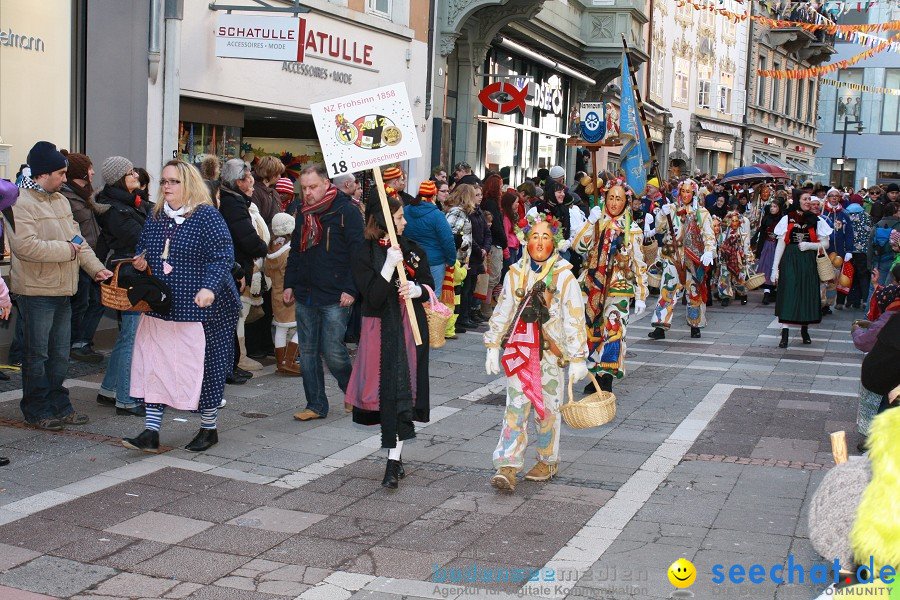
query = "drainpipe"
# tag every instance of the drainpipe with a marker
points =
(174, 13)
(746, 133)
(153, 43)
(429, 85)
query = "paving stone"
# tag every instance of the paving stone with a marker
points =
(786, 449)
(55, 576)
(42, 535)
(189, 564)
(13, 556)
(484, 502)
(129, 556)
(114, 505)
(183, 590)
(232, 539)
(160, 527)
(398, 564)
(94, 546)
(277, 519)
(204, 507)
(242, 491)
(352, 529)
(8, 593)
(183, 480)
(131, 584)
(315, 552)
(314, 502)
(385, 510)
(212, 592)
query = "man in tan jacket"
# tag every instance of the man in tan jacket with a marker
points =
(47, 252)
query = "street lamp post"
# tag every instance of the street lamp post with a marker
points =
(859, 130)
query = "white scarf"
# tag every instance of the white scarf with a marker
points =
(176, 215)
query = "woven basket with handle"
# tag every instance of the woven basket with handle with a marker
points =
(115, 297)
(824, 266)
(438, 314)
(755, 281)
(593, 410)
(650, 252)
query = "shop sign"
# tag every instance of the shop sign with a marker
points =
(317, 72)
(12, 39)
(265, 38)
(544, 96)
(593, 121)
(503, 97)
(366, 130)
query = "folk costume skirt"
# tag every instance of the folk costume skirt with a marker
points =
(799, 301)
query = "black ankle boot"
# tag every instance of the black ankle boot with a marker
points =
(401, 472)
(743, 300)
(804, 333)
(148, 441)
(766, 297)
(605, 382)
(726, 302)
(695, 332)
(3, 461)
(204, 440)
(657, 334)
(784, 338)
(391, 475)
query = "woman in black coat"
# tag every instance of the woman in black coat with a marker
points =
(389, 383)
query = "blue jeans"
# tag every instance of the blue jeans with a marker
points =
(320, 331)
(86, 311)
(117, 381)
(883, 264)
(437, 273)
(17, 346)
(47, 322)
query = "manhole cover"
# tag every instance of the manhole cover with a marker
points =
(493, 400)
(254, 415)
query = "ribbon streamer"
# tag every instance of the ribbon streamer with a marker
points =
(817, 71)
(859, 87)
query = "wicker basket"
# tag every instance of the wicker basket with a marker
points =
(650, 251)
(593, 410)
(824, 266)
(115, 297)
(438, 315)
(654, 279)
(755, 281)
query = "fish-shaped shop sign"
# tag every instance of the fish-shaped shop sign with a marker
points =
(503, 97)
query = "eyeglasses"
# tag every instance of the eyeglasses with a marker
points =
(167, 182)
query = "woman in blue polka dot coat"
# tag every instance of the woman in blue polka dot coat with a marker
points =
(187, 245)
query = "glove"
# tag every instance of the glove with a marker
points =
(667, 209)
(805, 246)
(394, 257)
(648, 220)
(492, 364)
(774, 275)
(578, 370)
(779, 252)
(414, 290)
(639, 307)
(649, 231)
(706, 259)
(564, 245)
(255, 284)
(848, 257)
(595, 215)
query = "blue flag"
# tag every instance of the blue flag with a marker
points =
(636, 153)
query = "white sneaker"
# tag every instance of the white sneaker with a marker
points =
(223, 403)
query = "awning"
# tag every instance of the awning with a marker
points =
(775, 162)
(803, 169)
(720, 128)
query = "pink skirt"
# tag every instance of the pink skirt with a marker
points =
(167, 363)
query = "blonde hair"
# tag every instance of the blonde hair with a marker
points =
(269, 167)
(463, 196)
(193, 190)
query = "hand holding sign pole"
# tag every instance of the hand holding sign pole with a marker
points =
(365, 131)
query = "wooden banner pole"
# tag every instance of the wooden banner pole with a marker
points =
(392, 233)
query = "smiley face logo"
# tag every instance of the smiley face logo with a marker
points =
(682, 573)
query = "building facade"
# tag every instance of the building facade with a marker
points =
(855, 160)
(782, 118)
(697, 73)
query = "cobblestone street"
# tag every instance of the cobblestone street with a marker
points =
(714, 453)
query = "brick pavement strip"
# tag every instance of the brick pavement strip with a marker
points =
(634, 489)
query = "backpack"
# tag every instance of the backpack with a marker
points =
(881, 244)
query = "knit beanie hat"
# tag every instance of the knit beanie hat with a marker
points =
(391, 173)
(8, 194)
(115, 168)
(427, 189)
(79, 164)
(283, 224)
(45, 158)
(892, 187)
(557, 172)
(284, 186)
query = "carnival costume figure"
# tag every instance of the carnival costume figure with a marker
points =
(801, 235)
(687, 251)
(536, 331)
(840, 244)
(733, 258)
(615, 272)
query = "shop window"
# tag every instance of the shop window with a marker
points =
(196, 141)
(546, 152)
(849, 101)
(844, 175)
(888, 172)
(704, 86)
(682, 80)
(500, 149)
(612, 163)
(382, 8)
(890, 116)
(776, 88)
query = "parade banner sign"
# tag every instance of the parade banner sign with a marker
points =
(366, 130)
(593, 121)
(264, 38)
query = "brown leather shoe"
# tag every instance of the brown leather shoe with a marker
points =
(307, 415)
(542, 472)
(505, 479)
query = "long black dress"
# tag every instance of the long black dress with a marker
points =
(389, 383)
(799, 300)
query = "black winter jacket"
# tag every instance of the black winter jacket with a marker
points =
(234, 207)
(122, 224)
(498, 233)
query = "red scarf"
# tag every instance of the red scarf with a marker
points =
(311, 233)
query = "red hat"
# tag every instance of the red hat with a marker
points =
(392, 173)
(856, 199)
(284, 186)
(427, 189)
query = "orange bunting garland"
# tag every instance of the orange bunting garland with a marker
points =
(817, 71)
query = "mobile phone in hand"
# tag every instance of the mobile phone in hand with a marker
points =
(78, 240)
